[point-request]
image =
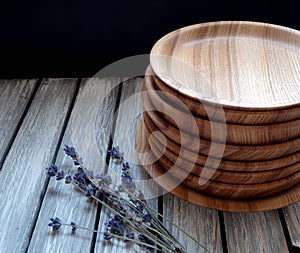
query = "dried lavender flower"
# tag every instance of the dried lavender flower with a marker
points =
(74, 226)
(116, 155)
(131, 213)
(60, 175)
(68, 179)
(52, 170)
(55, 223)
(129, 236)
(71, 152)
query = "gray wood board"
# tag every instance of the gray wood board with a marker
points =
(199, 222)
(14, 96)
(22, 177)
(128, 119)
(292, 218)
(88, 131)
(254, 232)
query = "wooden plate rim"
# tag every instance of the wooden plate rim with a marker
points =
(284, 199)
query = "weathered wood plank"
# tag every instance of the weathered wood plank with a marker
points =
(292, 218)
(88, 131)
(254, 232)
(129, 116)
(22, 177)
(201, 223)
(14, 95)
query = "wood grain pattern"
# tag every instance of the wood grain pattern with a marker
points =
(88, 130)
(240, 166)
(254, 232)
(127, 120)
(236, 64)
(174, 186)
(221, 150)
(230, 190)
(14, 95)
(218, 112)
(292, 219)
(220, 131)
(22, 177)
(168, 159)
(205, 228)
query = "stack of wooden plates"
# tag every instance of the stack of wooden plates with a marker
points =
(222, 115)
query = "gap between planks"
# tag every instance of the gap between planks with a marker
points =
(88, 131)
(68, 114)
(127, 120)
(22, 173)
(290, 213)
(107, 161)
(16, 97)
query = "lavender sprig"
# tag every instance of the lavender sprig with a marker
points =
(128, 214)
(56, 223)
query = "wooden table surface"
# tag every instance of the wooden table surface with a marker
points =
(39, 116)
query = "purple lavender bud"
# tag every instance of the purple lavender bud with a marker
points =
(125, 166)
(147, 217)
(74, 226)
(68, 179)
(115, 154)
(55, 223)
(129, 236)
(140, 208)
(107, 236)
(70, 151)
(60, 175)
(52, 170)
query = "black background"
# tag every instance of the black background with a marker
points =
(57, 38)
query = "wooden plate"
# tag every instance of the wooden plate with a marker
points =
(226, 151)
(231, 133)
(240, 65)
(218, 113)
(168, 159)
(232, 190)
(171, 185)
(233, 166)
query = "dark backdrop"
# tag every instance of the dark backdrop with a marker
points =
(77, 38)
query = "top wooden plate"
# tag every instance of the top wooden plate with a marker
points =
(218, 113)
(240, 65)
